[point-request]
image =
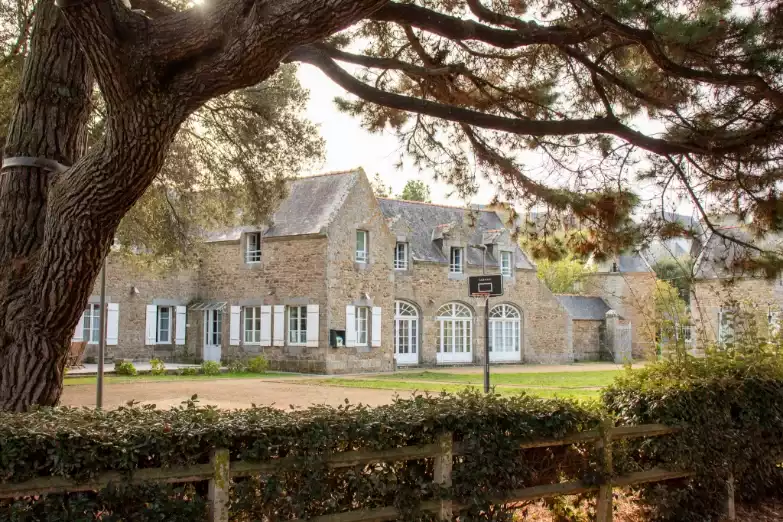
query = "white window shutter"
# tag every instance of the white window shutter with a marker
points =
(78, 334)
(234, 325)
(266, 325)
(313, 325)
(152, 324)
(112, 324)
(182, 320)
(376, 326)
(279, 329)
(350, 326)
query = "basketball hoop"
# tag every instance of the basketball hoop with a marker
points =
(479, 295)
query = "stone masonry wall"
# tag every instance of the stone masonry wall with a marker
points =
(588, 340)
(122, 276)
(363, 284)
(292, 271)
(756, 296)
(631, 295)
(546, 326)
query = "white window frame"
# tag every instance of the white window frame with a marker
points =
(457, 260)
(401, 256)
(169, 330)
(363, 253)
(362, 325)
(455, 339)
(297, 318)
(91, 329)
(406, 333)
(505, 329)
(506, 262)
(253, 255)
(251, 314)
(725, 327)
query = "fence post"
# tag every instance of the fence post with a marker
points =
(731, 511)
(604, 509)
(443, 465)
(219, 486)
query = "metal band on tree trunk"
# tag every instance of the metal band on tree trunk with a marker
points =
(27, 161)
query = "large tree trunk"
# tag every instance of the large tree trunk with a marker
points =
(56, 228)
(50, 122)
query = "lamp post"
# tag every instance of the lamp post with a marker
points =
(102, 339)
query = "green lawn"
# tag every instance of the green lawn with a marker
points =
(119, 379)
(384, 383)
(566, 380)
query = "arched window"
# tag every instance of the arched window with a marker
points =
(504, 333)
(406, 333)
(455, 333)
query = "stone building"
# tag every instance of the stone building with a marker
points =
(725, 297)
(627, 283)
(588, 316)
(340, 281)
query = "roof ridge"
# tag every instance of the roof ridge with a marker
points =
(434, 204)
(331, 173)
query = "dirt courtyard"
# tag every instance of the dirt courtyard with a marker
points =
(226, 394)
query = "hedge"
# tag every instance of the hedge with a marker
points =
(79, 443)
(730, 408)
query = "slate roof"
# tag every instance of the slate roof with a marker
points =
(310, 206)
(422, 218)
(633, 262)
(584, 307)
(719, 256)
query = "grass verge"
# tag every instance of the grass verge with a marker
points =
(431, 387)
(564, 380)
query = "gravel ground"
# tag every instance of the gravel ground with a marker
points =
(225, 393)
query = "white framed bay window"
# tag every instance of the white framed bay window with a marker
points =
(455, 334)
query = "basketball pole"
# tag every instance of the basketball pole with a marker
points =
(486, 344)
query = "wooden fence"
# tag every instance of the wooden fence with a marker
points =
(220, 471)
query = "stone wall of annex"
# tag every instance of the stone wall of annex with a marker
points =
(133, 286)
(589, 341)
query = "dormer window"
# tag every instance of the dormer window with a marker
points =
(505, 264)
(401, 256)
(362, 246)
(253, 247)
(457, 261)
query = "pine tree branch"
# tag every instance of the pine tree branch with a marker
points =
(458, 29)
(598, 125)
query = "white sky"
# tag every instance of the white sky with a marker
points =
(349, 146)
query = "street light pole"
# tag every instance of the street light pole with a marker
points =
(102, 339)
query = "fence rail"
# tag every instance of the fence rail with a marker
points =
(220, 471)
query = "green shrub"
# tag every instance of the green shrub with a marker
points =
(158, 367)
(730, 408)
(125, 368)
(258, 364)
(237, 365)
(188, 370)
(489, 429)
(210, 368)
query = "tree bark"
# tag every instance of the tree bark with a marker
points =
(50, 122)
